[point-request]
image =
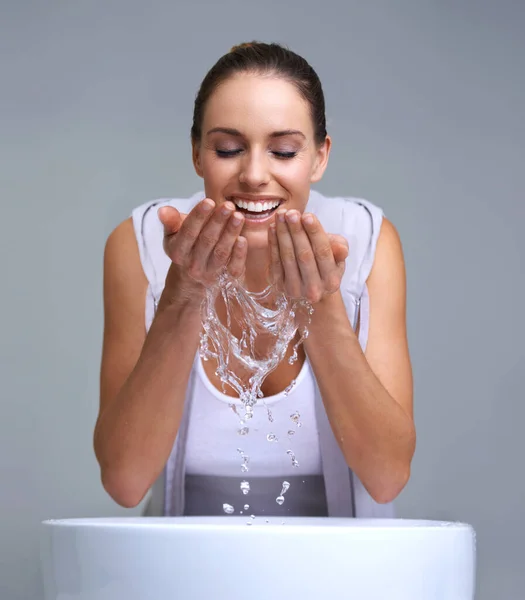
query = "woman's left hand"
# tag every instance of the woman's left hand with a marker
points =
(306, 262)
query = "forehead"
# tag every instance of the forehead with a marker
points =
(253, 102)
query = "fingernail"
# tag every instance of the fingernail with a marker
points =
(292, 217)
(207, 206)
(226, 209)
(281, 215)
(308, 219)
(236, 219)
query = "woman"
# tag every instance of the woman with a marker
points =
(259, 142)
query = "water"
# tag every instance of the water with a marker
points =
(295, 418)
(245, 461)
(268, 317)
(292, 456)
(280, 498)
(268, 321)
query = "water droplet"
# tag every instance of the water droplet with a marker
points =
(244, 431)
(285, 488)
(248, 523)
(271, 437)
(245, 461)
(228, 509)
(289, 388)
(291, 432)
(270, 416)
(295, 417)
(246, 506)
(252, 517)
(245, 487)
(292, 456)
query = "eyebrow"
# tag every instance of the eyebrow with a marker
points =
(237, 133)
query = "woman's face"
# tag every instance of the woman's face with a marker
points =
(258, 150)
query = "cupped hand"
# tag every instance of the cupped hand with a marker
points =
(204, 242)
(306, 262)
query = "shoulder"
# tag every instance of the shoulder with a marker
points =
(349, 214)
(360, 222)
(388, 269)
(121, 255)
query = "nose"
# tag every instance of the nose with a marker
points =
(255, 169)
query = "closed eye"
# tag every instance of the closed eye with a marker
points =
(230, 153)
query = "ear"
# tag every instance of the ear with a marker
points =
(196, 157)
(321, 160)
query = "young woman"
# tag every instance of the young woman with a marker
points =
(259, 142)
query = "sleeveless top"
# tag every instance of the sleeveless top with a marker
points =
(359, 221)
(280, 451)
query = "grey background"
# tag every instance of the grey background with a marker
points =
(425, 102)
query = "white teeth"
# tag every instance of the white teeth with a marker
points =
(256, 206)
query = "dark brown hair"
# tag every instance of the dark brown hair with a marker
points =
(264, 59)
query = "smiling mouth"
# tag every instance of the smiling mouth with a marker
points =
(256, 210)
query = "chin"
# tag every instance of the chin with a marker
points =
(257, 240)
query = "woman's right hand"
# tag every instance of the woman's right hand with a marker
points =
(200, 244)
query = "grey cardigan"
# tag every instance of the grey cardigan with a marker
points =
(360, 222)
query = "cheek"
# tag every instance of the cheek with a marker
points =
(217, 170)
(296, 173)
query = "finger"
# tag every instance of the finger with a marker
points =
(310, 277)
(208, 238)
(292, 275)
(190, 230)
(222, 250)
(320, 244)
(339, 247)
(171, 219)
(276, 267)
(237, 262)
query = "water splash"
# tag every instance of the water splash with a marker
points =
(268, 322)
(228, 509)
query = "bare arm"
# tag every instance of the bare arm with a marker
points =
(143, 378)
(368, 397)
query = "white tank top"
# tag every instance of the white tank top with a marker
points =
(214, 442)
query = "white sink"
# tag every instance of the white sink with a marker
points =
(223, 558)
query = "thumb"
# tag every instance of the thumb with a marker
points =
(339, 247)
(171, 218)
